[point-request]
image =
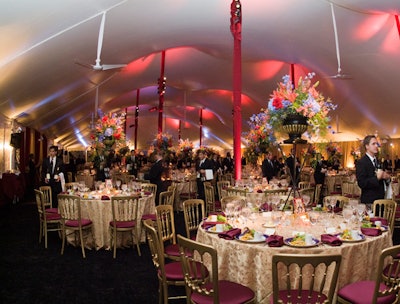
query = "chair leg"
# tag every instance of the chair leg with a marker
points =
(82, 245)
(40, 232)
(63, 240)
(45, 236)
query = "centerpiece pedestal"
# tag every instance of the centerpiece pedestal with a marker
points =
(295, 125)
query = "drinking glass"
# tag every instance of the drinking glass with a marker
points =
(347, 214)
(360, 211)
(118, 183)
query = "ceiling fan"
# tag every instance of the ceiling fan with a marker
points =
(97, 66)
(339, 74)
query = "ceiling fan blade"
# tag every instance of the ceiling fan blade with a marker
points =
(112, 66)
(100, 41)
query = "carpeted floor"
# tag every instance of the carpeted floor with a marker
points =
(29, 273)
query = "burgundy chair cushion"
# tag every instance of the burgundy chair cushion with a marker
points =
(172, 249)
(51, 210)
(229, 293)
(123, 224)
(173, 271)
(75, 223)
(52, 216)
(151, 216)
(284, 297)
(362, 293)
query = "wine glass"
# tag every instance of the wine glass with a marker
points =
(118, 183)
(360, 211)
(229, 210)
(124, 187)
(245, 212)
(347, 214)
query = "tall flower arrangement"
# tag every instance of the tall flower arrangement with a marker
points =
(109, 131)
(305, 100)
(163, 141)
(185, 146)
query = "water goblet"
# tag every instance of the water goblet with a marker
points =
(124, 187)
(360, 211)
(347, 214)
(245, 212)
(118, 183)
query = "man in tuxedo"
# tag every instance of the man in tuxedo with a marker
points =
(320, 170)
(267, 167)
(52, 167)
(155, 173)
(134, 164)
(227, 163)
(203, 165)
(370, 178)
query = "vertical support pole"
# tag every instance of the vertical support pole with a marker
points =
(161, 91)
(201, 127)
(136, 117)
(236, 30)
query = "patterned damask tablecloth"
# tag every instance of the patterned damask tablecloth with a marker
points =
(99, 211)
(250, 264)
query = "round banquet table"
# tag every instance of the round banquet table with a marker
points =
(99, 212)
(250, 264)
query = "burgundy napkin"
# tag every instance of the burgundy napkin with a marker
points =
(265, 207)
(105, 198)
(207, 225)
(275, 240)
(230, 234)
(337, 209)
(259, 191)
(147, 192)
(383, 220)
(371, 231)
(330, 239)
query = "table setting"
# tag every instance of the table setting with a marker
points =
(246, 241)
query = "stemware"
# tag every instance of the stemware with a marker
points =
(118, 183)
(360, 211)
(347, 214)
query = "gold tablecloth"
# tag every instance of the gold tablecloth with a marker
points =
(99, 212)
(250, 264)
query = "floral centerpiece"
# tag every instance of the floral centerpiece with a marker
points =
(163, 141)
(304, 100)
(185, 146)
(356, 153)
(108, 131)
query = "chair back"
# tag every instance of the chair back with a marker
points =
(172, 188)
(309, 278)
(196, 278)
(341, 201)
(227, 177)
(388, 273)
(385, 208)
(156, 249)
(166, 198)
(237, 200)
(166, 223)
(47, 196)
(304, 185)
(222, 185)
(124, 208)
(71, 185)
(149, 187)
(193, 212)
(210, 198)
(232, 191)
(40, 205)
(70, 208)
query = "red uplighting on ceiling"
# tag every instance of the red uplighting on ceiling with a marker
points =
(139, 66)
(371, 26)
(267, 69)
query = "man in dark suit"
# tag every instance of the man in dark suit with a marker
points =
(203, 165)
(267, 167)
(52, 167)
(155, 173)
(320, 170)
(134, 164)
(370, 178)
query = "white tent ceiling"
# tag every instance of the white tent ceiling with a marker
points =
(42, 87)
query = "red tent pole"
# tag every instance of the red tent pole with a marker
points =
(136, 116)
(201, 127)
(236, 30)
(161, 91)
(396, 17)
